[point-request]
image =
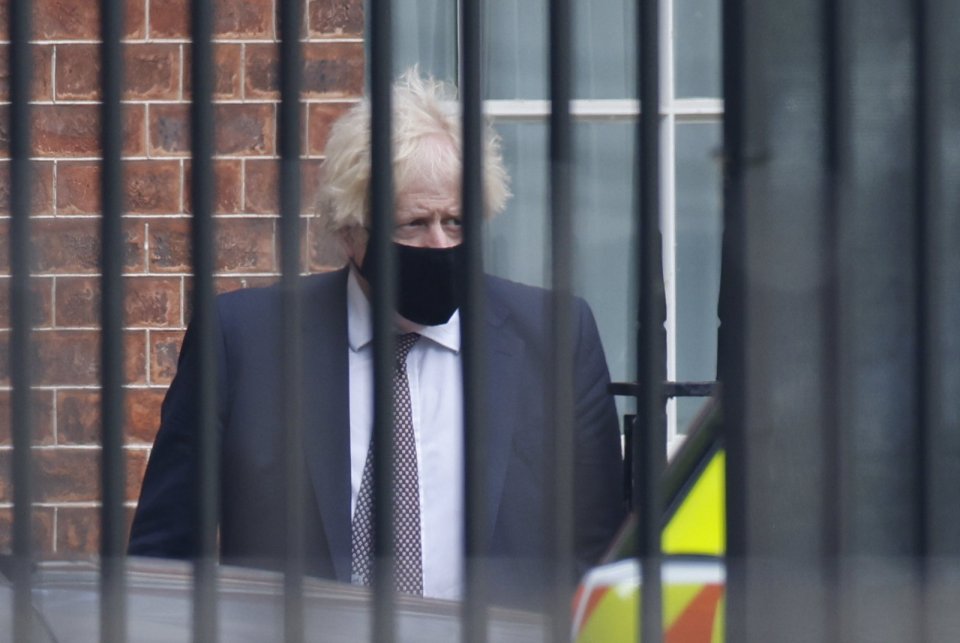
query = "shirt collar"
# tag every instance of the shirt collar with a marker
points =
(360, 322)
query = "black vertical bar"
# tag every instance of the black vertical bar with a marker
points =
(20, 253)
(561, 255)
(113, 620)
(941, 112)
(291, 14)
(471, 324)
(650, 442)
(202, 198)
(384, 294)
(837, 167)
(731, 339)
(922, 274)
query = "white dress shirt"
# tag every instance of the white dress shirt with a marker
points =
(433, 370)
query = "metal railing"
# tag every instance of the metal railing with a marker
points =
(838, 311)
(559, 487)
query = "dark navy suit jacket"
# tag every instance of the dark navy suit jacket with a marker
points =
(252, 479)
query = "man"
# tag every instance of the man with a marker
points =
(337, 364)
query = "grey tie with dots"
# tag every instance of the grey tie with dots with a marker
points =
(406, 491)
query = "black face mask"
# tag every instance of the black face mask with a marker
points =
(427, 282)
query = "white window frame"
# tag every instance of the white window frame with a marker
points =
(672, 111)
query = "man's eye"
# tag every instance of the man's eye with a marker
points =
(453, 222)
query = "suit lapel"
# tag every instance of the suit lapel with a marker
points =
(503, 353)
(326, 411)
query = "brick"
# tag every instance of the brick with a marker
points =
(153, 187)
(41, 410)
(333, 69)
(136, 465)
(227, 71)
(66, 19)
(245, 245)
(134, 130)
(78, 72)
(41, 302)
(80, 19)
(134, 19)
(78, 530)
(242, 244)
(247, 19)
(336, 17)
(330, 70)
(152, 302)
(65, 357)
(261, 188)
(78, 187)
(152, 71)
(69, 245)
(59, 475)
(41, 76)
(71, 357)
(78, 416)
(228, 66)
(169, 130)
(73, 246)
(41, 199)
(79, 413)
(320, 117)
(169, 243)
(149, 302)
(164, 351)
(78, 301)
(74, 130)
(41, 519)
(142, 408)
(4, 131)
(262, 71)
(169, 19)
(228, 181)
(135, 356)
(134, 231)
(247, 129)
(72, 475)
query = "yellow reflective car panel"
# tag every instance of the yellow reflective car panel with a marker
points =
(698, 526)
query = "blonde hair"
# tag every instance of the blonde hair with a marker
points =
(426, 144)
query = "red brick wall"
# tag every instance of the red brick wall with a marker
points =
(156, 147)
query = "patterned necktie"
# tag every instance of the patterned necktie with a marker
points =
(406, 491)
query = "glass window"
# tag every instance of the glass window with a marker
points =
(696, 48)
(699, 227)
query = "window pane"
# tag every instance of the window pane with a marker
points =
(604, 51)
(605, 249)
(425, 34)
(515, 35)
(699, 228)
(697, 48)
